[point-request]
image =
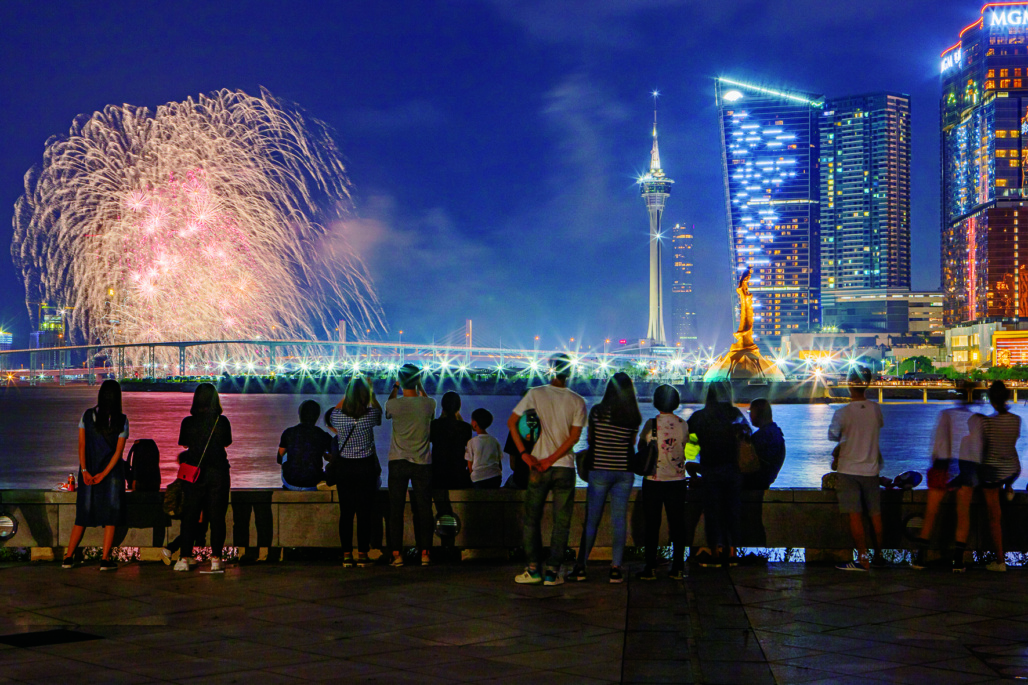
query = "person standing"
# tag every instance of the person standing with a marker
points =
(356, 469)
(103, 431)
(719, 426)
(483, 453)
(561, 415)
(957, 444)
(410, 461)
(613, 425)
(205, 434)
(1000, 463)
(666, 489)
(449, 435)
(855, 427)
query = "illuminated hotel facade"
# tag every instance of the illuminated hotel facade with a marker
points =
(683, 307)
(769, 145)
(984, 113)
(865, 205)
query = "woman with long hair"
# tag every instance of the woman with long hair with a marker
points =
(719, 426)
(449, 435)
(103, 431)
(205, 434)
(613, 424)
(356, 469)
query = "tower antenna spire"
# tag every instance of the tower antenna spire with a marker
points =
(654, 152)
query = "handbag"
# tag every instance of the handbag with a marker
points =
(584, 463)
(190, 473)
(174, 497)
(644, 462)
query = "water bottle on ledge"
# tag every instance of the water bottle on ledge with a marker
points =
(71, 483)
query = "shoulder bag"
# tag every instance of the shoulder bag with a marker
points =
(190, 473)
(644, 462)
(584, 458)
(332, 473)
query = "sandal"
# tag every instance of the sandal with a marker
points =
(348, 560)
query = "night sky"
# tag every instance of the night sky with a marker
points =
(493, 146)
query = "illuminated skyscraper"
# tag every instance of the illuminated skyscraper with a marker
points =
(769, 144)
(655, 188)
(6, 342)
(683, 307)
(865, 202)
(984, 112)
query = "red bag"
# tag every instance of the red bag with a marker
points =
(190, 473)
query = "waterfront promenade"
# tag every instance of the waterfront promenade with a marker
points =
(292, 622)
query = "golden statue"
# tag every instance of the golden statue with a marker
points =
(744, 360)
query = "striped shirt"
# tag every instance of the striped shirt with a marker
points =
(361, 442)
(1000, 460)
(610, 443)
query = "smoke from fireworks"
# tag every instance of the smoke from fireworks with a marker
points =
(202, 220)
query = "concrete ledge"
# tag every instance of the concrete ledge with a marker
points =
(788, 517)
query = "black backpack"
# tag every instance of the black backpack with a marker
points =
(144, 466)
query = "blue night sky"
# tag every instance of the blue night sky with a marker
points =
(493, 145)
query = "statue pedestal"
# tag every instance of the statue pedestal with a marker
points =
(741, 363)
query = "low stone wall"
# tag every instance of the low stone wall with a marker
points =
(795, 518)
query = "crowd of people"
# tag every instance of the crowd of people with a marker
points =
(715, 450)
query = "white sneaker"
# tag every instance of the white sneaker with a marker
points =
(217, 566)
(998, 566)
(529, 577)
(184, 564)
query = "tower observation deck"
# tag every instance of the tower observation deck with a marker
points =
(655, 188)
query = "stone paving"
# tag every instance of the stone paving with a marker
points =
(291, 622)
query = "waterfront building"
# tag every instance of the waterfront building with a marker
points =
(769, 146)
(49, 335)
(984, 119)
(683, 305)
(896, 310)
(865, 205)
(655, 188)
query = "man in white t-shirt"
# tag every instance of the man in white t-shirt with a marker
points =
(855, 427)
(561, 415)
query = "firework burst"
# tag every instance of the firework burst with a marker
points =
(203, 220)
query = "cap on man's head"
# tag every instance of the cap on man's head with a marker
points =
(560, 364)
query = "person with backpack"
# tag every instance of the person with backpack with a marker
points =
(561, 414)
(613, 424)
(356, 470)
(666, 488)
(103, 431)
(204, 468)
(302, 450)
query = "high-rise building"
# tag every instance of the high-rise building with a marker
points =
(655, 187)
(49, 335)
(769, 145)
(865, 200)
(6, 343)
(984, 117)
(683, 306)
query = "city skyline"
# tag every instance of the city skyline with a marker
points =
(415, 148)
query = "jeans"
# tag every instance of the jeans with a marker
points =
(208, 495)
(419, 476)
(669, 497)
(722, 507)
(619, 485)
(560, 480)
(359, 481)
(287, 486)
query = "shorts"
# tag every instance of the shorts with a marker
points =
(858, 494)
(938, 478)
(968, 476)
(1002, 483)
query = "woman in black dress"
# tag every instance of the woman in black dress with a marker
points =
(103, 431)
(205, 433)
